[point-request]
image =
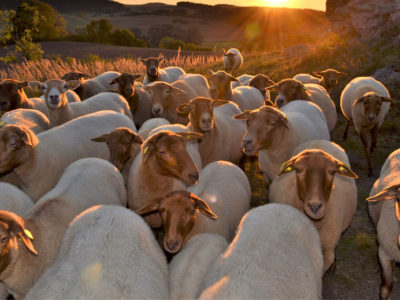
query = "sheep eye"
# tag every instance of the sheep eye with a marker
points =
(4, 239)
(13, 145)
(161, 152)
(193, 211)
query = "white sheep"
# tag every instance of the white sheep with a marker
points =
(233, 60)
(290, 89)
(221, 184)
(155, 73)
(38, 161)
(12, 96)
(386, 218)
(188, 267)
(32, 119)
(222, 135)
(13, 199)
(306, 78)
(276, 254)
(61, 111)
(327, 78)
(198, 84)
(246, 97)
(149, 125)
(276, 133)
(260, 81)
(108, 252)
(93, 86)
(318, 181)
(365, 102)
(41, 229)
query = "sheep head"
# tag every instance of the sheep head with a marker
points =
(265, 125)
(16, 143)
(330, 78)
(178, 213)
(315, 171)
(261, 82)
(220, 84)
(11, 94)
(371, 105)
(126, 84)
(74, 75)
(12, 230)
(152, 64)
(165, 152)
(200, 110)
(54, 91)
(289, 90)
(123, 144)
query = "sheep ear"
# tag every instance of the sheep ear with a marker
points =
(73, 84)
(231, 78)
(101, 139)
(341, 74)
(191, 135)
(210, 73)
(243, 116)
(37, 84)
(82, 75)
(219, 102)
(148, 209)
(388, 193)
(386, 99)
(359, 100)
(223, 50)
(135, 76)
(288, 166)
(22, 85)
(115, 81)
(184, 109)
(272, 87)
(26, 237)
(26, 135)
(343, 169)
(268, 102)
(202, 206)
(283, 121)
(143, 60)
(318, 73)
(177, 91)
(160, 59)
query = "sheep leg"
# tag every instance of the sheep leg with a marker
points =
(346, 131)
(387, 265)
(364, 140)
(329, 259)
(374, 137)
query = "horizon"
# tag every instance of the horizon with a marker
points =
(305, 4)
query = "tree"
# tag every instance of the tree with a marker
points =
(124, 37)
(99, 31)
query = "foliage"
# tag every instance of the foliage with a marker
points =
(124, 37)
(171, 43)
(188, 34)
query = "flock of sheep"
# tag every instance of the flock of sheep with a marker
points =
(101, 178)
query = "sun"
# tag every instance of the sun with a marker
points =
(275, 3)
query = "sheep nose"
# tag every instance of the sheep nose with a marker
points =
(206, 122)
(246, 143)
(314, 207)
(156, 112)
(171, 245)
(280, 102)
(371, 118)
(194, 176)
(129, 91)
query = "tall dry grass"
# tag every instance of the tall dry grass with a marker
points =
(44, 69)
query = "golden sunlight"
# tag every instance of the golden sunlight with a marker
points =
(274, 3)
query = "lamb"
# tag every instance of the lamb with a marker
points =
(149, 125)
(166, 98)
(155, 73)
(93, 86)
(365, 102)
(138, 98)
(61, 111)
(162, 166)
(284, 261)
(12, 96)
(386, 219)
(245, 96)
(38, 161)
(188, 267)
(32, 119)
(259, 81)
(221, 134)
(222, 184)
(43, 226)
(233, 60)
(290, 89)
(276, 133)
(322, 187)
(327, 78)
(108, 252)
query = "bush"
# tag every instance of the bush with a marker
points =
(171, 43)
(124, 37)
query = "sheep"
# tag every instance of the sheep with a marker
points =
(322, 187)
(12, 96)
(245, 96)
(138, 98)
(276, 254)
(108, 252)
(290, 89)
(188, 267)
(221, 197)
(385, 215)
(259, 81)
(61, 111)
(221, 134)
(71, 97)
(364, 103)
(149, 125)
(93, 86)
(32, 119)
(233, 60)
(327, 78)
(124, 145)
(276, 133)
(38, 161)
(13, 199)
(42, 227)
(155, 73)
(163, 165)
(166, 98)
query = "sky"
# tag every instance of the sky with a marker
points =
(314, 4)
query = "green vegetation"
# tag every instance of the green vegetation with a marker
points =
(171, 43)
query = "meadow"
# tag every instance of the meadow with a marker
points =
(357, 274)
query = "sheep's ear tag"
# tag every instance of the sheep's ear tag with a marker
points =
(28, 234)
(342, 169)
(145, 149)
(287, 169)
(2, 123)
(188, 137)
